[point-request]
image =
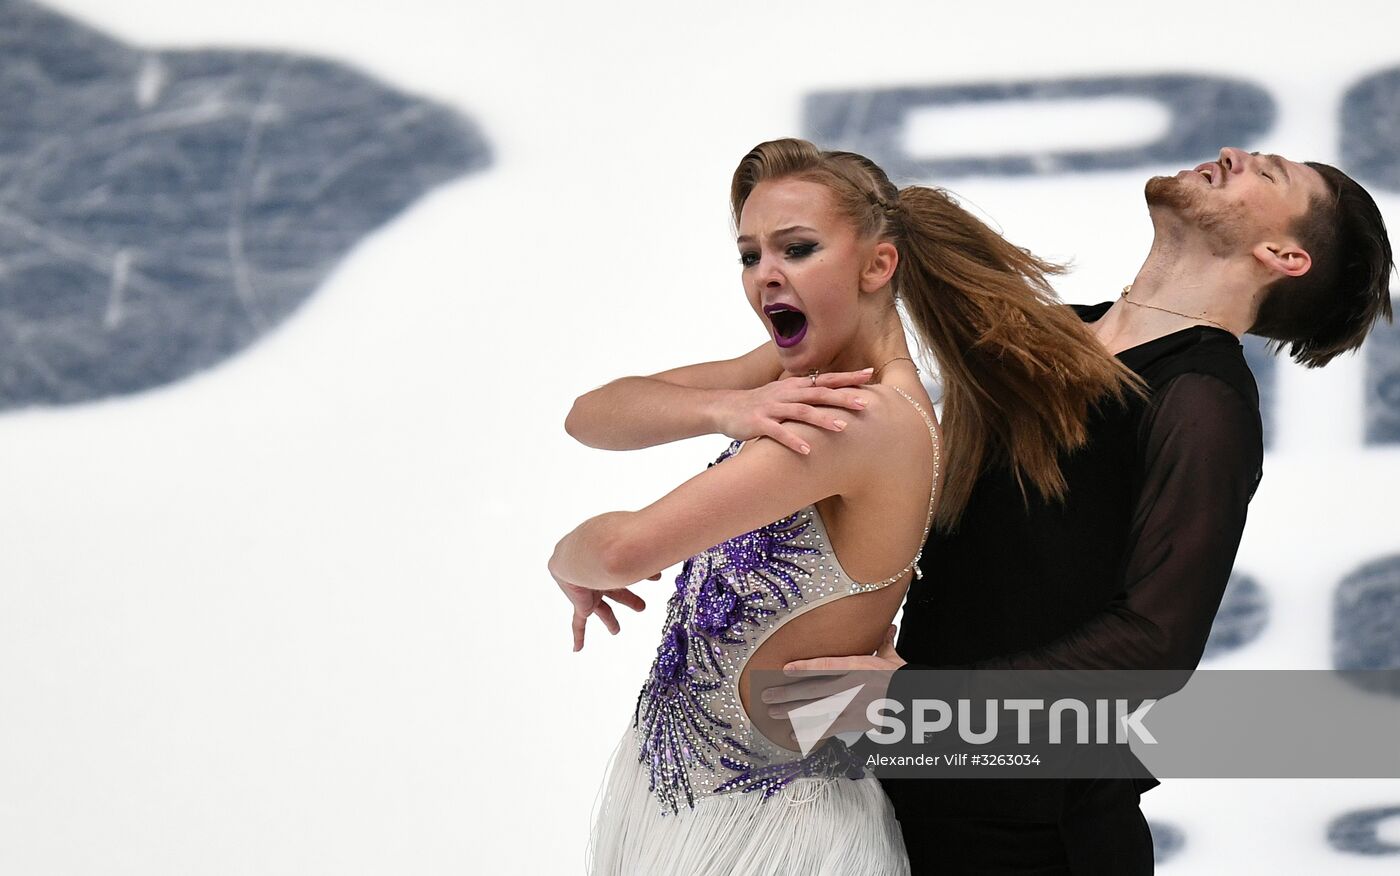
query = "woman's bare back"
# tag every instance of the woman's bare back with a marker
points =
(874, 532)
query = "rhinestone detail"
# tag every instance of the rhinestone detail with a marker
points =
(690, 728)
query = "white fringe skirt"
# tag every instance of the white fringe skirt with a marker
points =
(818, 826)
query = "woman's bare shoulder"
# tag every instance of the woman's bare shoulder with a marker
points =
(898, 412)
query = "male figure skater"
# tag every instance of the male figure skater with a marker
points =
(1129, 571)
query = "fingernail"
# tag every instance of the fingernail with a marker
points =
(839, 424)
(867, 371)
(860, 402)
(805, 449)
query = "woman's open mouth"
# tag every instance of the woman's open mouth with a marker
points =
(789, 324)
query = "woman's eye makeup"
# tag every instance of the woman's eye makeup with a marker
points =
(792, 251)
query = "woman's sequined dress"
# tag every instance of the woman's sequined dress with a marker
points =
(692, 788)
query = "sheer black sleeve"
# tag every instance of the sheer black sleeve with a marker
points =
(1200, 449)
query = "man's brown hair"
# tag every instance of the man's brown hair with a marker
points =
(1330, 309)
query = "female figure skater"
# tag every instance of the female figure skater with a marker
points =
(789, 555)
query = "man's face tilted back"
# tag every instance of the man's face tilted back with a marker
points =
(1306, 239)
(1239, 202)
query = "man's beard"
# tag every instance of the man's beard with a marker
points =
(1221, 225)
(1170, 192)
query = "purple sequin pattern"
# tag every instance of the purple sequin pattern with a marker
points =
(832, 758)
(722, 596)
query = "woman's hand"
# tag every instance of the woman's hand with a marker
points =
(588, 602)
(749, 413)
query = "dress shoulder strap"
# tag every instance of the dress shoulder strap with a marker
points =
(928, 521)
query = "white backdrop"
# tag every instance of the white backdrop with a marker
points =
(291, 615)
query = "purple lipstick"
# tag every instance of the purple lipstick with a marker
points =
(789, 324)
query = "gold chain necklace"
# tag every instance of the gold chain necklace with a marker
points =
(1125, 297)
(876, 373)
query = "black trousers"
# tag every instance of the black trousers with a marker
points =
(1079, 827)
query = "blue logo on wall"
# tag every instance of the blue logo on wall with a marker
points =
(162, 210)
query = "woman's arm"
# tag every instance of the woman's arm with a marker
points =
(741, 397)
(762, 483)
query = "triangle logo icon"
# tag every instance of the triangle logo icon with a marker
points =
(809, 722)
